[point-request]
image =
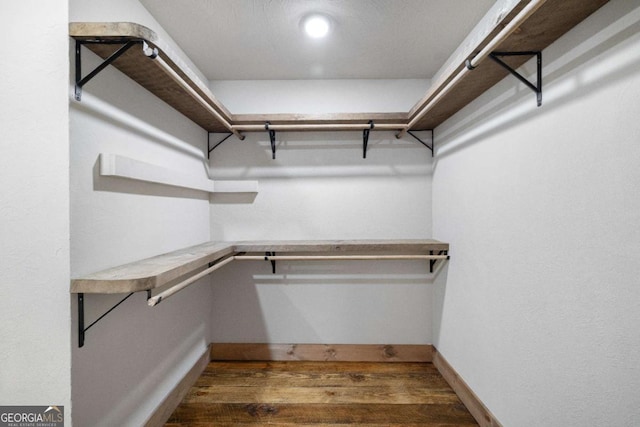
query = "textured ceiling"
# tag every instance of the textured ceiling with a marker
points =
(370, 39)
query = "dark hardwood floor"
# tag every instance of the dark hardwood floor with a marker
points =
(320, 394)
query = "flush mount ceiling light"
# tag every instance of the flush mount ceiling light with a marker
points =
(316, 26)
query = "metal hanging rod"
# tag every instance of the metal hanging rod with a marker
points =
(319, 127)
(157, 299)
(269, 256)
(272, 257)
(527, 11)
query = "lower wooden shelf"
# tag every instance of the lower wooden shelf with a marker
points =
(161, 270)
(152, 272)
(176, 270)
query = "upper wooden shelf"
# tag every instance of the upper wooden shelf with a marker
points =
(161, 270)
(541, 28)
(105, 38)
(548, 23)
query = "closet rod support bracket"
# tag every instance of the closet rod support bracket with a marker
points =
(81, 81)
(273, 261)
(430, 147)
(365, 138)
(81, 329)
(432, 263)
(272, 139)
(210, 148)
(537, 88)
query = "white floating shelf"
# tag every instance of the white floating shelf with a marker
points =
(125, 167)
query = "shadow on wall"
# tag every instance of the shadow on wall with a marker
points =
(117, 113)
(233, 198)
(116, 184)
(439, 297)
(108, 359)
(558, 63)
(323, 302)
(236, 305)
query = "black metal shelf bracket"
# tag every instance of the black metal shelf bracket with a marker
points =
(81, 329)
(210, 148)
(81, 81)
(365, 138)
(273, 261)
(272, 139)
(430, 147)
(432, 262)
(537, 88)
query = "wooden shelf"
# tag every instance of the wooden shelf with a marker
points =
(152, 273)
(139, 67)
(553, 19)
(176, 270)
(343, 246)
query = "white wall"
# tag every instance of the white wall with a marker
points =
(34, 206)
(538, 311)
(320, 187)
(132, 358)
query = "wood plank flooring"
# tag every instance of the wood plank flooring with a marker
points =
(320, 394)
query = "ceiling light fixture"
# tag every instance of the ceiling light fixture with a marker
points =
(316, 26)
